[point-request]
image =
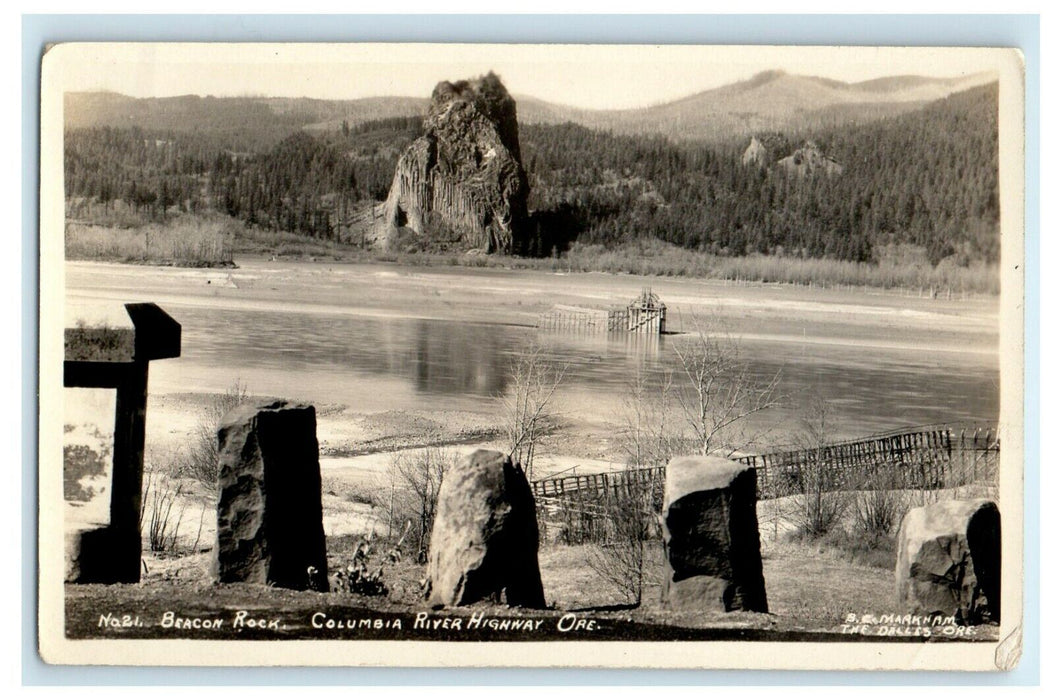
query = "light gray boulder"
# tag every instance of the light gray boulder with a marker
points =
(949, 559)
(484, 544)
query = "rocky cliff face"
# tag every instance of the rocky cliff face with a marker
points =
(756, 153)
(809, 160)
(767, 150)
(461, 184)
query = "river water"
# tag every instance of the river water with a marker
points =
(314, 342)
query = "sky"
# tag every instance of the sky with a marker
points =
(596, 77)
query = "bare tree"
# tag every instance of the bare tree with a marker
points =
(528, 403)
(721, 390)
(648, 433)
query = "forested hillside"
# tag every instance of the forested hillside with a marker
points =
(928, 177)
(303, 184)
(239, 123)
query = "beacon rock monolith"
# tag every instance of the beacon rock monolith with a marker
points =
(461, 185)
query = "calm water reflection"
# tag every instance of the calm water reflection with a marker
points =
(382, 363)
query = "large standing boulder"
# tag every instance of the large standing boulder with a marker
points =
(461, 184)
(710, 533)
(269, 515)
(949, 559)
(485, 536)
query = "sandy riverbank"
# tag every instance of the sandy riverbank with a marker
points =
(516, 297)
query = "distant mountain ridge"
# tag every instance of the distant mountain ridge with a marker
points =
(769, 101)
(776, 101)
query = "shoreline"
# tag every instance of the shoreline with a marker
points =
(517, 297)
(646, 258)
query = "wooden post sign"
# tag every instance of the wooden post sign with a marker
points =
(119, 358)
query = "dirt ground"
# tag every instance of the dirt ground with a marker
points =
(810, 593)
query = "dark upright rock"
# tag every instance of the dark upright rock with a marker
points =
(949, 559)
(269, 514)
(710, 532)
(461, 184)
(103, 555)
(485, 537)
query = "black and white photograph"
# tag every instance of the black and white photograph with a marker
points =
(436, 354)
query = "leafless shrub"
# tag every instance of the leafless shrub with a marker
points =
(878, 506)
(721, 389)
(821, 504)
(819, 510)
(630, 520)
(413, 493)
(528, 403)
(201, 461)
(159, 499)
(916, 498)
(649, 433)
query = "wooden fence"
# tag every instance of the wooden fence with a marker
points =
(920, 458)
(927, 459)
(574, 319)
(644, 315)
(600, 484)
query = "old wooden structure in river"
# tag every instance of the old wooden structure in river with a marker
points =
(645, 314)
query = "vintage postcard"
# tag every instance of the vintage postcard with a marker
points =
(524, 355)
